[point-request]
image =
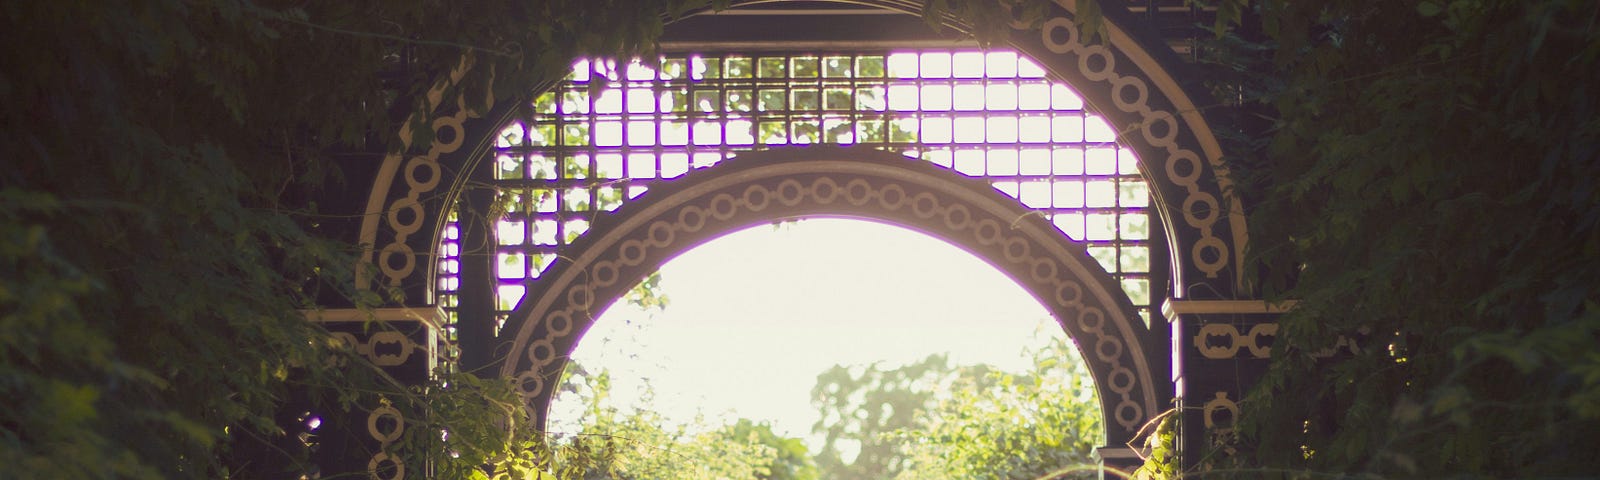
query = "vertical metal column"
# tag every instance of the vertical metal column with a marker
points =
(403, 343)
(1222, 348)
(475, 314)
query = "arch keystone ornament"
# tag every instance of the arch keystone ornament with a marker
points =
(757, 188)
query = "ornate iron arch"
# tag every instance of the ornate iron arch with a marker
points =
(1126, 80)
(761, 187)
(1126, 77)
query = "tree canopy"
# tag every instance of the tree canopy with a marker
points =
(932, 420)
(862, 407)
(639, 443)
(158, 234)
(1425, 171)
(1039, 423)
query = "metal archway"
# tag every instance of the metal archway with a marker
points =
(1124, 76)
(761, 187)
(1127, 81)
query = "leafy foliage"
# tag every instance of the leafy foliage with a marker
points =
(469, 427)
(1426, 173)
(932, 420)
(989, 21)
(861, 408)
(148, 308)
(791, 461)
(157, 234)
(1039, 424)
(638, 445)
(1162, 463)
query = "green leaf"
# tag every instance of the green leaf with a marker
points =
(1430, 8)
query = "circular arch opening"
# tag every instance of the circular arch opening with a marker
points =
(763, 318)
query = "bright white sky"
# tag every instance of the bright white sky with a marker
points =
(757, 314)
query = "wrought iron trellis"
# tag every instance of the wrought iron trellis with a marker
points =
(607, 132)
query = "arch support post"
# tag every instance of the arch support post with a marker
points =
(1220, 350)
(404, 344)
(475, 321)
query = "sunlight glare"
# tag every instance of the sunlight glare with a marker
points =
(755, 315)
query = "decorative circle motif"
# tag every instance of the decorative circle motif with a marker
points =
(559, 324)
(1217, 405)
(924, 205)
(1210, 255)
(1047, 35)
(988, 231)
(661, 234)
(448, 128)
(1168, 135)
(1107, 348)
(631, 252)
(892, 196)
(1044, 269)
(1140, 91)
(857, 192)
(723, 206)
(1068, 293)
(1189, 161)
(382, 458)
(1016, 249)
(542, 351)
(422, 164)
(1121, 380)
(397, 250)
(1197, 204)
(1129, 414)
(1091, 319)
(605, 273)
(385, 411)
(1085, 64)
(824, 189)
(691, 218)
(580, 296)
(790, 192)
(757, 198)
(529, 383)
(408, 205)
(957, 217)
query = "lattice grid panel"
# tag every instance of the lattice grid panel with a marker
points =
(583, 148)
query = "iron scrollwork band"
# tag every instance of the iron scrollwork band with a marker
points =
(1192, 169)
(1159, 129)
